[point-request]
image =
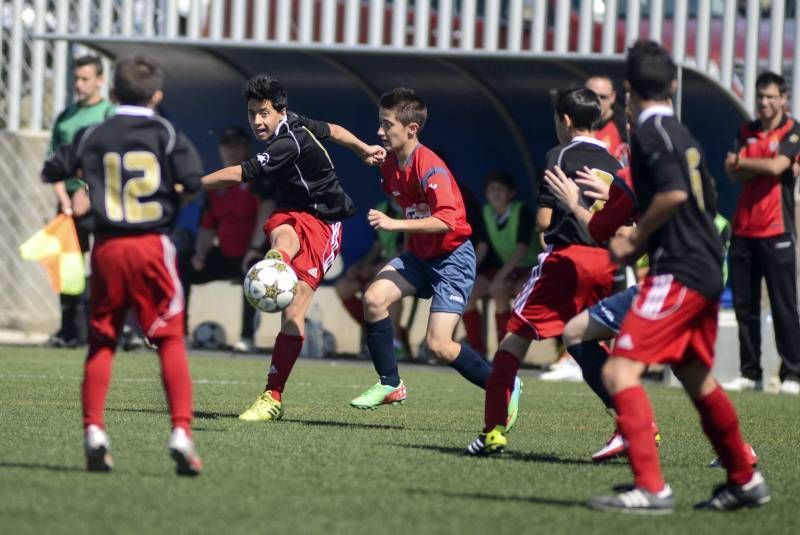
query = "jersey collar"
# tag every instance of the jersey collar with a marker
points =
(134, 110)
(655, 110)
(592, 140)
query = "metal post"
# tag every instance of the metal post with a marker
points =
(15, 67)
(610, 28)
(751, 54)
(149, 16)
(514, 43)
(657, 20)
(632, 16)
(703, 32)
(37, 67)
(216, 18)
(585, 27)
(328, 21)
(422, 23)
(171, 21)
(727, 45)
(444, 29)
(399, 20)
(679, 24)
(283, 21)
(238, 18)
(351, 16)
(127, 17)
(60, 59)
(679, 92)
(468, 24)
(194, 18)
(776, 36)
(561, 37)
(84, 16)
(491, 25)
(376, 15)
(539, 24)
(106, 17)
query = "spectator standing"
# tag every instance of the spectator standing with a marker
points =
(226, 225)
(89, 108)
(764, 237)
(612, 128)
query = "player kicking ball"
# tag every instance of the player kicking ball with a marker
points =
(305, 230)
(673, 318)
(133, 163)
(439, 261)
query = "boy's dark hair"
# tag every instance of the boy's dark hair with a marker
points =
(770, 78)
(136, 79)
(94, 61)
(407, 105)
(500, 177)
(580, 104)
(650, 71)
(265, 87)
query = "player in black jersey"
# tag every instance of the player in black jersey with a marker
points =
(673, 319)
(305, 230)
(133, 163)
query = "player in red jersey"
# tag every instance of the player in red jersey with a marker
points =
(612, 127)
(673, 319)
(573, 272)
(132, 164)
(305, 230)
(439, 261)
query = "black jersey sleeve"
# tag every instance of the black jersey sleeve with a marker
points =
(281, 153)
(525, 225)
(62, 163)
(664, 165)
(790, 144)
(319, 129)
(546, 199)
(186, 166)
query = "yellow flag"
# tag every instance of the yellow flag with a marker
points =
(56, 247)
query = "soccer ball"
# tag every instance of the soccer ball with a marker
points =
(270, 285)
(208, 335)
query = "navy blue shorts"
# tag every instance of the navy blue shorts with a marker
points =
(448, 279)
(611, 310)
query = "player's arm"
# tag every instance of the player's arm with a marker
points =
(257, 238)
(223, 178)
(61, 165)
(202, 244)
(186, 166)
(372, 155)
(743, 169)
(425, 225)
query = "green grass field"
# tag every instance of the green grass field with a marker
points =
(329, 468)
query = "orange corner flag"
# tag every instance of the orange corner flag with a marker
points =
(56, 247)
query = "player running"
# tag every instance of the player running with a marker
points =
(673, 318)
(439, 261)
(132, 164)
(305, 230)
(573, 272)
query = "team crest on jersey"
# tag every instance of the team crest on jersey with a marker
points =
(395, 193)
(794, 138)
(262, 158)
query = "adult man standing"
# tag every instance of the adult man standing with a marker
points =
(611, 128)
(764, 237)
(89, 108)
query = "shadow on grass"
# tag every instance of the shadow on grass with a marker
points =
(498, 497)
(198, 415)
(36, 466)
(346, 425)
(507, 455)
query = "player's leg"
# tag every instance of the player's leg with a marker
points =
(284, 243)
(502, 293)
(461, 357)
(746, 275)
(347, 288)
(472, 316)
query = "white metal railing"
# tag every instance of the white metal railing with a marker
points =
(713, 36)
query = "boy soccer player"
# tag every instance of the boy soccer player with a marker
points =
(439, 261)
(673, 319)
(305, 230)
(573, 272)
(132, 164)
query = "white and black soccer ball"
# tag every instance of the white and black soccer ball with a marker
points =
(270, 285)
(208, 335)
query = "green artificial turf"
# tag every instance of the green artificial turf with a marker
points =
(328, 468)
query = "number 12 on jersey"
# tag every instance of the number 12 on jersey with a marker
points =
(123, 198)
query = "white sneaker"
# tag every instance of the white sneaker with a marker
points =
(245, 345)
(96, 446)
(564, 370)
(743, 383)
(790, 386)
(182, 450)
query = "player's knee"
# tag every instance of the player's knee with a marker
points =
(573, 333)
(375, 301)
(440, 348)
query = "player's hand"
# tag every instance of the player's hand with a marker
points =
(622, 250)
(731, 160)
(374, 155)
(65, 207)
(498, 283)
(251, 257)
(198, 262)
(380, 221)
(564, 188)
(595, 187)
(80, 202)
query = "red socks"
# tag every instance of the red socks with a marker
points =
(498, 389)
(354, 307)
(177, 381)
(721, 425)
(284, 355)
(500, 321)
(474, 329)
(635, 423)
(96, 377)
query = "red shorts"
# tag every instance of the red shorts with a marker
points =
(668, 323)
(320, 243)
(566, 281)
(135, 271)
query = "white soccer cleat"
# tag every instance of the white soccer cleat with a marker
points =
(245, 345)
(182, 450)
(564, 370)
(612, 449)
(790, 386)
(743, 383)
(96, 446)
